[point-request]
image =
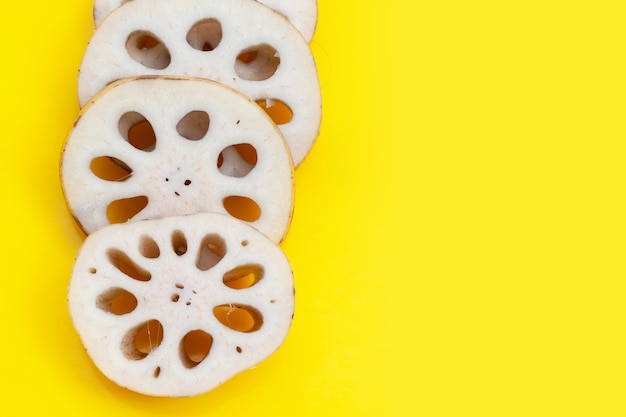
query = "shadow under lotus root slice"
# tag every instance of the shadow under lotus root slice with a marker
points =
(239, 43)
(175, 307)
(153, 147)
(300, 13)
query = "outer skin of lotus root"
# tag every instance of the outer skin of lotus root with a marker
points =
(102, 332)
(300, 13)
(245, 23)
(163, 101)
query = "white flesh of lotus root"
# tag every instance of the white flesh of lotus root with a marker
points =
(153, 147)
(176, 306)
(300, 13)
(239, 43)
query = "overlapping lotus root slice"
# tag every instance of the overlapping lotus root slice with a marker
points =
(177, 306)
(239, 43)
(300, 13)
(162, 146)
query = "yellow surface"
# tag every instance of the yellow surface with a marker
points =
(458, 242)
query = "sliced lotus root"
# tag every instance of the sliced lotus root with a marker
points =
(300, 13)
(177, 306)
(239, 43)
(154, 147)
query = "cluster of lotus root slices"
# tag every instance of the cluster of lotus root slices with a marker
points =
(179, 168)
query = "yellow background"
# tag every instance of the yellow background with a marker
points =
(458, 240)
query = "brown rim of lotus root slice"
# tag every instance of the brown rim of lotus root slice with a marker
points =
(239, 43)
(176, 306)
(300, 13)
(153, 147)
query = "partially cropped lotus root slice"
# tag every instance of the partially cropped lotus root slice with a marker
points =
(163, 146)
(239, 43)
(300, 13)
(177, 306)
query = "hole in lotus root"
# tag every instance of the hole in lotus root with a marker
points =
(212, 250)
(239, 317)
(243, 277)
(109, 168)
(277, 110)
(140, 341)
(138, 131)
(257, 63)
(242, 208)
(149, 248)
(237, 160)
(195, 347)
(205, 35)
(194, 126)
(121, 211)
(127, 266)
(179, 243)
(148, 50)
(117, 301)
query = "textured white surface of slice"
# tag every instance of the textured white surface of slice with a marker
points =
(147, 300)
(300, 13)
(176, 175)
(239, 43)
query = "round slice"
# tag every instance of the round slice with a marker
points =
(239, 43)
(163, 146)
(177, 306)
(301, 13)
